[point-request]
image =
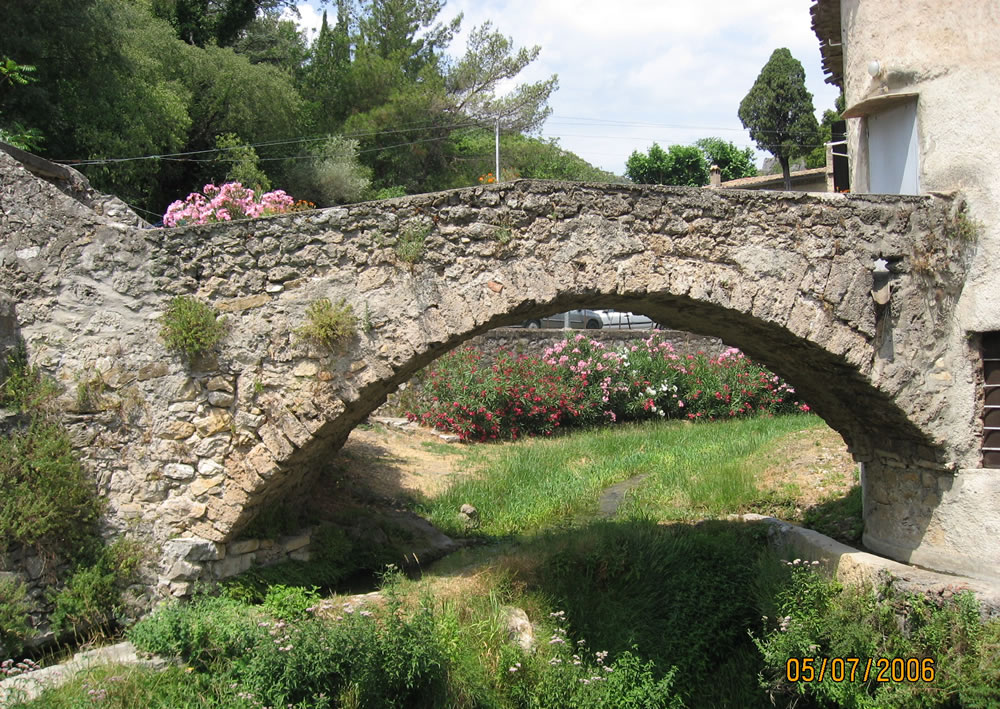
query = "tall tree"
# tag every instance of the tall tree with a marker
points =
(779, 113)
(733, 162)
(490, 59)
(681, 165)
(327, 85)
(200, 22)
(272, 40)
(403, 30)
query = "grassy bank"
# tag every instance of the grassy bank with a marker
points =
(692, 470)
(645, 609)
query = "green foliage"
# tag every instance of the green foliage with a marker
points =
(682, 165)
(271, 40)
(241, 163)
(733, 162)
(14, 626)
(334, 558)
(204, 632)
(817, 157)
(328, 325)
(409, 246)
(389, 192)
(332, 176)
(388, 661)
(630, 586)
(692, 471)
(25, 387)
(13, 74)
(290, 602)
(491, 59)
(92, 600)
(528, 157)
(201, 22)
(191, 326)
(48, 502)
(778, 111)
(817, 618)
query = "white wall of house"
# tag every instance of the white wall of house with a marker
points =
(928, 120)
(945, 52)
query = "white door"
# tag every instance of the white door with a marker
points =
(893, 166)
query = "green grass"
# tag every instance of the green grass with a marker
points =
(695, 470)
(685, 611)
(129, 686)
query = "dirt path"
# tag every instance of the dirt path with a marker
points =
(390, 462)
(812, 466)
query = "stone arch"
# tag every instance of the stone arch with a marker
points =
(786, 277)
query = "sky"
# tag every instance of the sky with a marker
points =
(635, 72)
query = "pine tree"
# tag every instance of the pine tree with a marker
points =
(779, 111)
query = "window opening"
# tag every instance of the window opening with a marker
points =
(991, 400)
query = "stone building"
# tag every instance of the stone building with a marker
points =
(920, 85)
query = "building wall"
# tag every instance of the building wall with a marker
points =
(943, 50)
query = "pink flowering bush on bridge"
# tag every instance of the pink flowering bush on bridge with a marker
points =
(580, 381)
(222, 204)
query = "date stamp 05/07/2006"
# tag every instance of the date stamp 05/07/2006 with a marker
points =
(856, 669)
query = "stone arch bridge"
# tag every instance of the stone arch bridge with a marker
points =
(194, 450)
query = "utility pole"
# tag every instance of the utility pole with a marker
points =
(496, 140)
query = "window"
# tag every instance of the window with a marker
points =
(893, 164)
(991, 400)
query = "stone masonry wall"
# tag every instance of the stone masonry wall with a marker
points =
(194, 449)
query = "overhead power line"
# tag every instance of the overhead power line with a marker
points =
(290, 141)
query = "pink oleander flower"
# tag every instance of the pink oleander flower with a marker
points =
(225, 203)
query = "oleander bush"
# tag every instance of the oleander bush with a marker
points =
(223, 203)
(581, 382)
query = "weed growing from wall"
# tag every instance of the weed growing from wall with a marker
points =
(328, 325)
(409, 245)
(24, 387)
(191, 327)
(90, 393)
(366, 322)
(964, 228)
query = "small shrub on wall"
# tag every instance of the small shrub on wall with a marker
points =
(14, 626)
(190, 326)
(328, 325)
(579, 382)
